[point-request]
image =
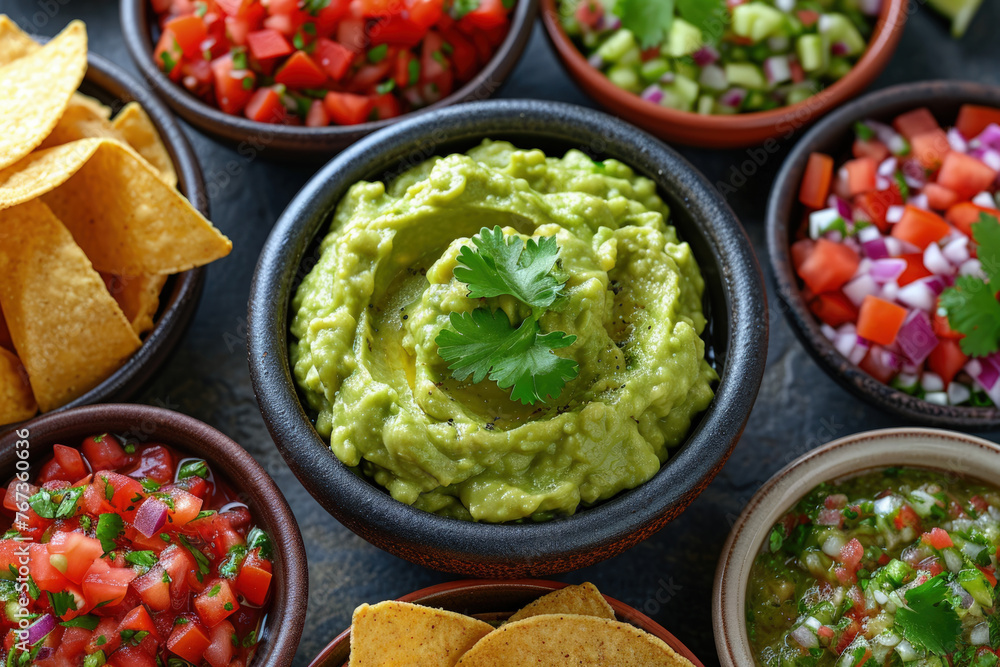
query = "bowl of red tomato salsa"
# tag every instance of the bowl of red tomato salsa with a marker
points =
(289, 78)
(126, 542)
(884, 233)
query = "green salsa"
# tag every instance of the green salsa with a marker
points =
(893, 567)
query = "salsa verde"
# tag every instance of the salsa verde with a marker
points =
(892, 567)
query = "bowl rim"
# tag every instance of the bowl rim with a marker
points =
(178, 307)
(138, 41)
(253, 485)
(615, 524)
(795, 480)
(784, 198)
(885, 37)
(625, 613)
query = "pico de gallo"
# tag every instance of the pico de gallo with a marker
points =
(899, 254)
(893, 567)
(129, 555)
(326, 62)
(718, 57)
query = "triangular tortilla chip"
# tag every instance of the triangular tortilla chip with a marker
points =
(67, 329)
(14, 42)
(81, 120)
(582, 600)
(17, 403)
(35, 89)
(138, 297)
(556, 640)
(400, 633)
(136, 126)
(126, 219)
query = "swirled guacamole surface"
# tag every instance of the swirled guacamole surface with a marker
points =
(366, 317)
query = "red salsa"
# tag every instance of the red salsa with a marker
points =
(130, 555)
(326, 62)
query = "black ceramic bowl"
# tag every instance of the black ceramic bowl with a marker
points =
(287, 141)
(179, 298)
(737, 334)
(833, 136)
(252, 485)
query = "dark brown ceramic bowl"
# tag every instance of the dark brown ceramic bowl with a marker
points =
(285, 142)
(736, 131)
(179, 297)
(737, 337)
(497, 600)
(252, 484)
(833, 136)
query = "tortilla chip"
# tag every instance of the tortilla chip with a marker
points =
(582, 600)
(98, 107)
(36, 89)
(81, 120)
(555, 640)
(126, 219)
(136, 126)
(14, 42)
(137, 296)
(400, 633)
(5, 340)
(17, 403)
(66, 327)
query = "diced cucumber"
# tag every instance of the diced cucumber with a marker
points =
(632, 57)
(12, 610)
(683, 40)
(839, 28)
(625, 77)
(839, 67)
(738, 54)
(758, 101)
(799, 94)
(706, 105)
(617, 46)
(898, 572)
(757, 21)
(978, 587)
(746, 75)
(813, 54)
(653, 70)
(680, 94)
(686, 67)
(959, 11)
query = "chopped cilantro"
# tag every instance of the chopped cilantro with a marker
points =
(649, 21)
(88, 622)
(62, 602)
(193, 468)
(214, 590)
(109, 527)
(377, 54)
(258, 539)
(203, 565)
(149, 485)
(928, 621)
(385, 87)
(144, 559)
(971, 304)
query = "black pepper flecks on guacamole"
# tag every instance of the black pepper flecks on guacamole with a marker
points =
(893, 567)
(366, 320)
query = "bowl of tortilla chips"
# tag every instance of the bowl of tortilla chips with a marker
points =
(101, 248)
(481, 623)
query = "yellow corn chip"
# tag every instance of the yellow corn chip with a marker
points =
(98, 107)
(17, 403)
(14, 42)
(582, 600)
(138, 130)
(35, 89)
(138, 297)
(5, 340)
(126, 219)
(400, 633)
(81, 120)
(556, 640)
(67, 329)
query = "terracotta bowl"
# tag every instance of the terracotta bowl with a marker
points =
(955, 453)
(286, 142)
(496, 600)
(740, 130)
(251, 483)
(179, 298)
(737, 335)
(833, 135)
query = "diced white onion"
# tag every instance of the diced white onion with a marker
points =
(980, 635)
(932, 382)
(985, 200)
(958, 393)
(894, 214)
(936, 397)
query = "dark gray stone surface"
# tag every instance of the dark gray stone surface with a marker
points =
(669, 576)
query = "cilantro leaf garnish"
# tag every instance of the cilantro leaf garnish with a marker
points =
(484, 343)
(62, 602)
(87, 622)
(193, 468)
(144, 559)
(709, 16)
(258, 539)
(974, 311)
(204, 567)
(505, 265)
(109, 527)
(986, 232)
(928, 621)
(649, 21)
(460, 8)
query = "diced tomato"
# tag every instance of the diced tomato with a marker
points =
(920, 227)
(78, 552)
(328, 17)
(930, 148)
(317, 116)
(964, 214)
(385, 106)
(873, 148)
(488, 15)
(189, 641)
(845, 576)
(347, 108)
(990, 573)
(121, 492)
(71, 461)
(45, 574)
(915, 123)
(848, 636)
(217, 531)
(851, 554)
(589, 12)
(858, 176)
(131, 656)
(425, 13)
(231, 90)
(947, 359)
(156, 463)
(51, 471)
(875, 205)
(286, 24)
(180, 566)
(973, 119)
(939, 197)
(938, 538)
(432, 59)
(139, 620)
(334, 58)
(403, 75)
(300, 71)
(965, 175)
(931, 564)
(396, 30)
(942, 328)
(14, 496)
(168, 54)
(816, 182)
(103, 452)
(462, 56)
(190, 32)
(352, 34)
(106, 585)
(266, 44)
(265, 106)
(907, 518)
(825, 632)
(154, 588)
(915, 269)
(800, 251)
(220, 652)
(879, 320)
(254, 579)
(833, 308)
(216, 602)
(808, 17)
(369, 76)
(829, 266)
(234, 7)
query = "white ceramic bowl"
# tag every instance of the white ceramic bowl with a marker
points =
(948, 451)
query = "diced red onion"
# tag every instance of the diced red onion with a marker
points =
(869, 233)
(989, 138)
(706, 55)
(958, 393)
(932, 382)
(839, 49)
(888, 167)
(972, 267)
(920, 201)
(886, 270)
(864, 267)
(845, 343)
(989, 156)
(151, 516)
(882, 183)
(733, 97)
(890, 290)
(38, 630)
(653, 94)
(938, 284)
(894, 214)
(859, 288)
(668, 78)
(777, 69)
(985, 374)
(887, 136)
(861, 347)
(876, 248)
(44, 653)
(916, 338)
(917, 295)
(852, 243)
(596, 61)
(936, 397)
(914, 174)
(985, 200)
(714, 77)
(957, 251)
(231, 506)
(936, 262)
(843, 207)
(828, 517)
(870, 7)
(828, 332)
(907, 369)
(957, 141)
(805, 637)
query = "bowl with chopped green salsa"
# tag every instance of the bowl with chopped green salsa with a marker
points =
(724, 74)
(878, 549)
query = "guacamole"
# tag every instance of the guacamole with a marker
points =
(366, 317)
(894, 567)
